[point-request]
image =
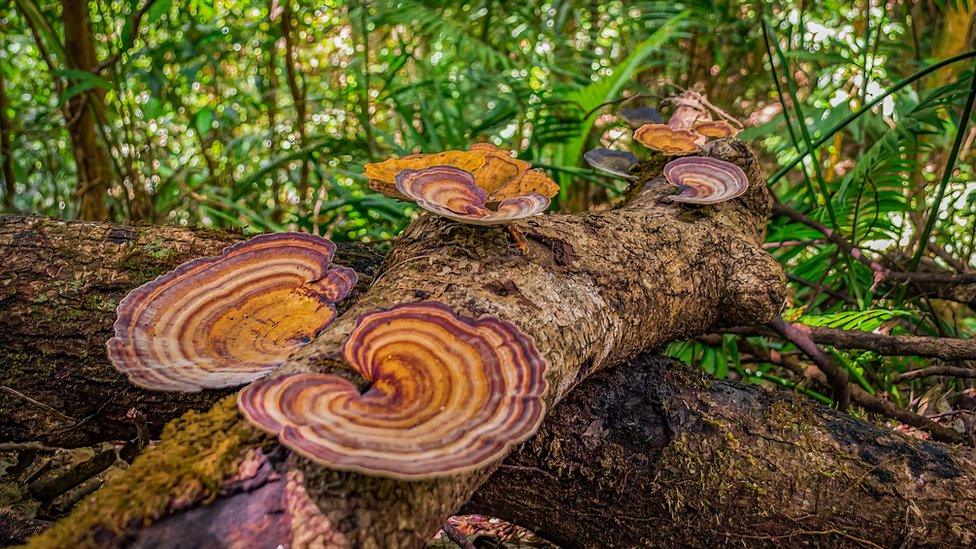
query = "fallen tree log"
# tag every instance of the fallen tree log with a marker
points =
(653, 453)
(59, 285)
(592, 290)
(604, 448)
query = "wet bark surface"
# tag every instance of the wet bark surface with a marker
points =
(59, 285)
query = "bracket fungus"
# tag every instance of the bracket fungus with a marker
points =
(668, 140)
(689, 127)
(230, 319)
(447, 394)
(453, 193)
(616, 163)
(704, 180)
(715, 128)
(480, 186)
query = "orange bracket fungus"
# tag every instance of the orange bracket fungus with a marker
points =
(228, 320)
(481, 186)
(689, 127)
(668, 140)
(447, 394)
(704, 180)
(714, 128)
(616, 163)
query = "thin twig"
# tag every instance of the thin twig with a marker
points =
(945, 348)
(36, 403)
(951, 371)
(836, 375)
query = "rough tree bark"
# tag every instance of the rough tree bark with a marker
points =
(59, 285)
(592, 290)
(91, 159)
(655, 454)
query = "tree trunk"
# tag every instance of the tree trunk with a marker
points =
(592, 290)
(6, 149)
(298, 90)
(59, 285)
(94, 172)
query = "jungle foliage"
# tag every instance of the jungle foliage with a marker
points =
(258, 116)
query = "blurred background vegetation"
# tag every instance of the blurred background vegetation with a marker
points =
(257, 115)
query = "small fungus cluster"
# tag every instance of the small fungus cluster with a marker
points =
(689, 127)
(480, 186)
(699, 180)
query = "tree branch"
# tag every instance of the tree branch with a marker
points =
(858, 395)
(836, 376)
(944, 348)
(952, 371)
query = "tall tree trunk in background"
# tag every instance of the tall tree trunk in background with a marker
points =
(364, 87)
(6, 149)
(271, 102)
(297, 95)
(94, 173)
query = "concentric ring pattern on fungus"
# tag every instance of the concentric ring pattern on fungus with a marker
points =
(447, 394)
(228, 320)
(704, 180)
(453, 193)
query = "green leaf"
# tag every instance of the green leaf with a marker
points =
(864, 321)
(126, 34)
(202, 120)
(79, 75)
(158, 9)
(84, 81)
